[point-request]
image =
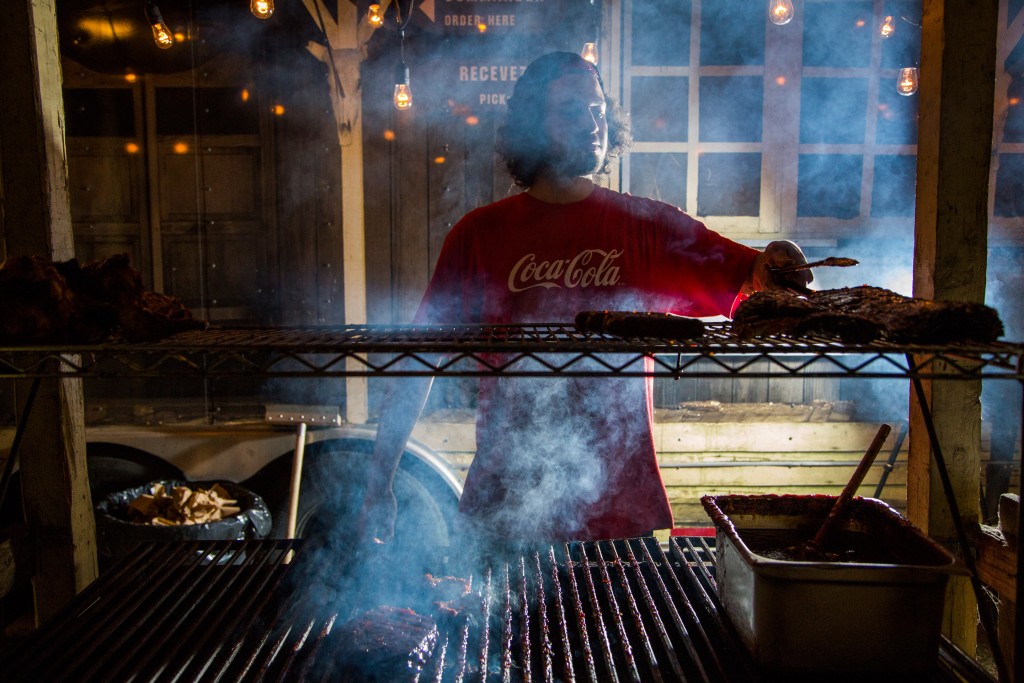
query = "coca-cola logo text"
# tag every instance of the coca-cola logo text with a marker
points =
(589, 268)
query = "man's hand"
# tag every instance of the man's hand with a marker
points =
(377, 517)
(776, 255)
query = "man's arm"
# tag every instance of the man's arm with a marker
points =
(403, 404)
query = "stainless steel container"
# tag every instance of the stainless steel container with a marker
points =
(878, 616)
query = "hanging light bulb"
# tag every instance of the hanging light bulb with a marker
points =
(375, 16)
(780, 12)
(888, 27)
(403, 94)
(589, 52)
(161, 33)
(261, 9)
(907, 83)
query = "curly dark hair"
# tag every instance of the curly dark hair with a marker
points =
(525, 150)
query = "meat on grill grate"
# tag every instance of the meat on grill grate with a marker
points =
(386, 644)
(864, 314)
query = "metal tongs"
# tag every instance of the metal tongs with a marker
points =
(835, 261)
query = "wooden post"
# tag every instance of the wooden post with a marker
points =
(957, 81)
(781, 150)
(37, 220)
(346, 48)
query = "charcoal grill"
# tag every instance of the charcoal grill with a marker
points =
(626, 610)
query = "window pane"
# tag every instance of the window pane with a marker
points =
(832, 110)
(661, 33)
(829, 185)
(894, 184)
(1010, 186)
(897, 116)
(99, 112)
(732, 33)
(1014, 129)
(903, 47)
(659, 176)
(729, 185)
(838, 34)
(659, 109)
(218, 111)
(730, 109)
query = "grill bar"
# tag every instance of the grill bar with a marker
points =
(546, 647)
(233, 617)
(559, 616)
(218, 595)
(650, 609)
(621, 624)
(524, 624)
(673, 608)
(726, 643)
(77, 622)
(600, 629)
(580, 611)
(162, 608)
(485, 639)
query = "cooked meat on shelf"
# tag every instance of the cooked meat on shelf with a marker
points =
(387, 644)
(639, 324)
(141, 314)
(864, 314)
(36, 304)
(45, 303)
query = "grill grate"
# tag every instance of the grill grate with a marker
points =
(220, 611)
(626, 611)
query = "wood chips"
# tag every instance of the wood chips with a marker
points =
(182, 505)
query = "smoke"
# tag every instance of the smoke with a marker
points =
(551, 453)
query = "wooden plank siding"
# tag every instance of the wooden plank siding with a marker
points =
(750, 454)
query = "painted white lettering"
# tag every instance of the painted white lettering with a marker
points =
(492, 98)
(485, 72)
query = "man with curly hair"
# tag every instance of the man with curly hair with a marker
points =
(562, 458)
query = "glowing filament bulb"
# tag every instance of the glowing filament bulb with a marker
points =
(261, 9)
(589, 52)
(907, 83)
(403, 95)
(780, 12)
(375, 16)
(161, 33)
(888, 27)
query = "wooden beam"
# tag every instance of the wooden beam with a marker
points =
(55, 483)
(346, 48)
(955, 111)
(780, 140)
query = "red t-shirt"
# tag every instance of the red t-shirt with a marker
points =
(563, 458)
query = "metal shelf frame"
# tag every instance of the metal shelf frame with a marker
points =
(531, 350)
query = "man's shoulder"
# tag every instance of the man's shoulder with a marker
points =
(488, 214)
(643, 208)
